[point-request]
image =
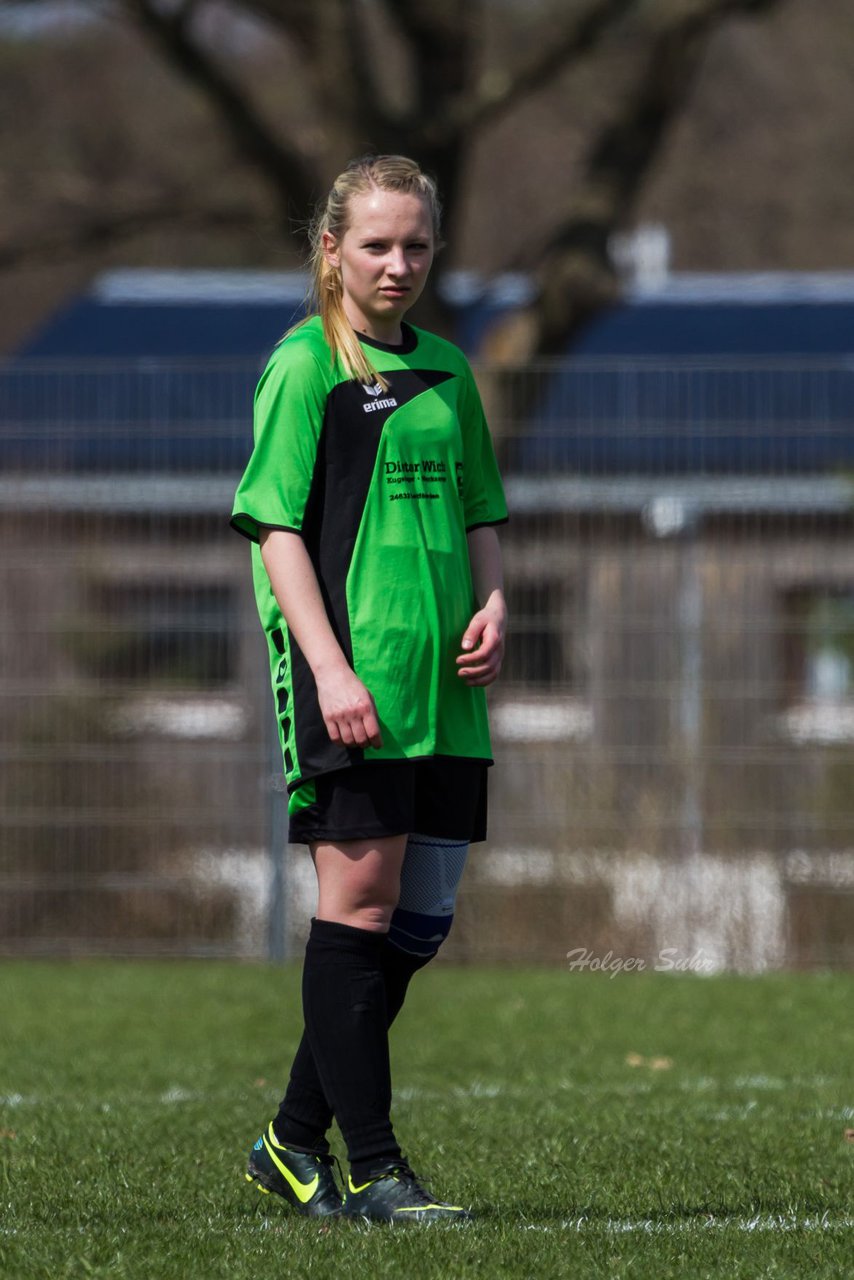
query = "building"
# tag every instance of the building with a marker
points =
(677, 712)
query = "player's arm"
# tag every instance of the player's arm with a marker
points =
(347, 707)
(483, 639)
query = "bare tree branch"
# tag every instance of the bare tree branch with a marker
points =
(442, 36)
(283, 168)
(300, 19)
(330, 38)
(345, 89)
(434, 25)
(574, 270)
(113, 226)
(498, 93)
(443, 40)
(373, 115)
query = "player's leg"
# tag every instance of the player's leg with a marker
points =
(448, 801)
(360, 802)
(346, 1023)
(346, 1031)
(352, 896)
(441, 797)
(344, 1001)
(420, 923)
(347, 819)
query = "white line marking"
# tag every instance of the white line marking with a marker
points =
(768, 1223)
(650, 1226)
(717, 1108)
(177, 1094)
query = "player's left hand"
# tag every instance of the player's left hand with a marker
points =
(483, 647)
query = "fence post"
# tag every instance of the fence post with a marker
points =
(691, 686)
(675, 517)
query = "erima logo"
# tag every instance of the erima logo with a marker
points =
(371, 406)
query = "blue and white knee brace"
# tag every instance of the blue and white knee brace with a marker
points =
(429, 879)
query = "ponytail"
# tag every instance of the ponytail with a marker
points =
(328, 298)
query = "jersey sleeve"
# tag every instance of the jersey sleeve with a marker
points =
(288, 416)
(483, 492)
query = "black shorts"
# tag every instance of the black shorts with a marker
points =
(437, 796)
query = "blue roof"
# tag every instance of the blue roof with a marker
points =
(166, 315)
(640, 328)
(174, 315)
(148, 371)
(86, 330)
(704, 374)
(148, 417)
(691, 314)
(668, 417)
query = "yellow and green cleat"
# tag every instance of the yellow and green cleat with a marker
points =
(305, 1179)
(397, 1196)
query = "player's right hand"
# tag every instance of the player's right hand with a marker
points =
(348, 709)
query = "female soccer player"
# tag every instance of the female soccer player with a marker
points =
(371, 498)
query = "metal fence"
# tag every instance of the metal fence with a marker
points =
(674, 730)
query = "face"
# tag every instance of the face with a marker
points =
(384, 257)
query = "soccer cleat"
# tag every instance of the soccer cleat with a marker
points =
(304, 1179)
(397, 1196)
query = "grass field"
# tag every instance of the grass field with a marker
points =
(647, 1125)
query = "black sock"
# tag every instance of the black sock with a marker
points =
(346, 1024)
(304, 1114)
(398, 967)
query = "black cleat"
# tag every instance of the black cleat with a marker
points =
(304, 1179)
(397, 1196)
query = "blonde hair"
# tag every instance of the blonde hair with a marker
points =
(368, 173)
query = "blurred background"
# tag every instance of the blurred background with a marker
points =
(647, 210)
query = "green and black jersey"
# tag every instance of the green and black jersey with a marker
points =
(383, 487)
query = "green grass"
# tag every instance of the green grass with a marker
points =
(131, 1093)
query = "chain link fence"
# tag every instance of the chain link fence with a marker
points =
(674, 728)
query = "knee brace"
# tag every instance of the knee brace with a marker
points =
(431, 873)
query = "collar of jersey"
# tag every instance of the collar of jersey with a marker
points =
(410, 341)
